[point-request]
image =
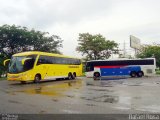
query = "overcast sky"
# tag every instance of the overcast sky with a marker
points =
(114, 19)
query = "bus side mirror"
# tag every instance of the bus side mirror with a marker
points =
(6, 62)
(25, 60)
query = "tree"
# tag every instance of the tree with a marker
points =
(2, 67)
(151, 51)
(95, 47)
(15, 39)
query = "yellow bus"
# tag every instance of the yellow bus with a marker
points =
(36, 66)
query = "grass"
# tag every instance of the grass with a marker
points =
(158, 72)
(83, 74)
(3, 78)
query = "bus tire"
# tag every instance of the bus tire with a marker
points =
(96, 75)
(70, 77)
(140, 73)
(133, 74)
(74, 75)
(37, 78)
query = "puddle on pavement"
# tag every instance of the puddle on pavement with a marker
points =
(103, 98)
(151, 108)
(71, 112)
(13, 101)
(8, 92)
(103, 90)
(42, 112)
(70, 96)
(132, 83)
(55, 100)
(104, 83)
(136, 97)
(90, 104)
(53, 89)
(123, 108)
(128, 103)
(114, 83)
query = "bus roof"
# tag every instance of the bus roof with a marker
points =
(120, 59)
(41, 53)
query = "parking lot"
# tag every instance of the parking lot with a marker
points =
(83, 95)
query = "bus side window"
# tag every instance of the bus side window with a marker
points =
(30, 62)
(63, 60)
(41, 60)
(48, 60)
(52, 60)
(57, 60)
(78, 62)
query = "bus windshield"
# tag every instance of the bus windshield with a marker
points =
(15, 65)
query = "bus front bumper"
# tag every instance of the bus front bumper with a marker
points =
(20, 77)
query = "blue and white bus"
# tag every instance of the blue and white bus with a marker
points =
(121, 67)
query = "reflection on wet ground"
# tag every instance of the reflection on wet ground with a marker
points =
(121, 82)
(12, 101)
(123, 94)
(53, 89)
(102, 98)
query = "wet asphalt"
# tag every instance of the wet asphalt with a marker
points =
(82, 96)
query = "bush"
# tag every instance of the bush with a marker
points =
(158, 72)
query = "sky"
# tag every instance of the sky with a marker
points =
(114, 19)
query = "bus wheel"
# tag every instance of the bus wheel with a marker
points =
(140, 74)
(74, 75)
(37, 78)
(133, 74)
(96, 75)
(23, 82)
(70, 77)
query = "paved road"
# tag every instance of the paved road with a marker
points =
(84, 95)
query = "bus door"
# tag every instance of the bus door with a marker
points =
(42, 67)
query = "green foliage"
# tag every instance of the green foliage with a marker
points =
(2, 68)
(158, 72)
(151, 51)
(15, 39)
(95, 47)
(3, 78)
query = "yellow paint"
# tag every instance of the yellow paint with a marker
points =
(4, 62)
(54, 89)
(45, 70)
